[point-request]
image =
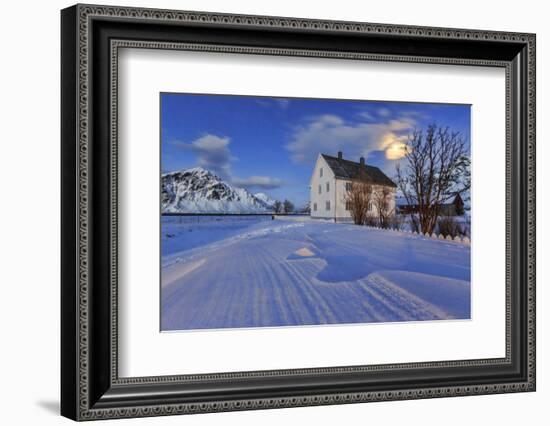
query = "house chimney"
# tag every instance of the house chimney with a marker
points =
(362, 161)
(340, 155)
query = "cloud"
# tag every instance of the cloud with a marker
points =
(329, 134)
(366, 115)
(212, 153)
(282, 103)
(263, 102)
(263, 182)
(384, 112)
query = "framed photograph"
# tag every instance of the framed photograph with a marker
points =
(264, 212)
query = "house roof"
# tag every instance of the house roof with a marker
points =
(346, 169)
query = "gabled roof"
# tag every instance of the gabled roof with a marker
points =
(345, 169)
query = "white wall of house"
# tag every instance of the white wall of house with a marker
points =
(343, 214)
(333, 195)
(391, 198)
(320, 198)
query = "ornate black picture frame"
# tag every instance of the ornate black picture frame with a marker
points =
(91, 387)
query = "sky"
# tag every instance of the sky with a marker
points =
(270, 145)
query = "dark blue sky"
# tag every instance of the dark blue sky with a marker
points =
(270, 144)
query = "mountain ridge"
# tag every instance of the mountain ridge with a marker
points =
(198, 190)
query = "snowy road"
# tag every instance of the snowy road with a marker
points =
(282, 273)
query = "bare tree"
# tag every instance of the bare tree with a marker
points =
(358, 197)
(436, 168)
(448, 225)
(382, 202)
(288, 207)
(278, 206)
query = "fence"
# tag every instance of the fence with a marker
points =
(457, 239)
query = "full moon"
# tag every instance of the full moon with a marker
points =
(396, 151)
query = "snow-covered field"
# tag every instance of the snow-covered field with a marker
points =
(229, 272)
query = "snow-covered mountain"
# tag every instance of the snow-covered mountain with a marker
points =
(266, 200)
(200, 191)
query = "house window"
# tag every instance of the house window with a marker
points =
(348, 186)
(321, 172)
(348, 205)
(319, 189)
(314, 207)
(327, 206)
(328, 187)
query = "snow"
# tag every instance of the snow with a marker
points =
(264, 198)
(234, 272)
(181, 233)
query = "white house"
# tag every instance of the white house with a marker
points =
(331, 178)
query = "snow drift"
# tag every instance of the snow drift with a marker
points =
(268, 273)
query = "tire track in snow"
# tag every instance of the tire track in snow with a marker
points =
(248, 281)
(404, 305)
